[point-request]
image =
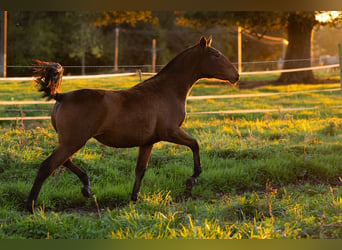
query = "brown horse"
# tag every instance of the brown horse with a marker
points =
(149, 112)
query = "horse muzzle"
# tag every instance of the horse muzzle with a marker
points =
(234, 81)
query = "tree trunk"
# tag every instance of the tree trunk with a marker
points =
(298, 54)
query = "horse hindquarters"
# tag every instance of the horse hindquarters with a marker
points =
(74, 128)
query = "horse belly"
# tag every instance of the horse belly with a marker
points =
(128, 135)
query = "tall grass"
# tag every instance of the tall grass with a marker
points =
(265, 175)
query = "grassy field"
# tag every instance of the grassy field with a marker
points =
(265, 175)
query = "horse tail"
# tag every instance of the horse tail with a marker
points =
(48, 76)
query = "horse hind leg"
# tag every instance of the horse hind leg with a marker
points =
(81, 175)
(46, 169)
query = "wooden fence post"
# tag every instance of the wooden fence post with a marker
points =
(340, 60)
(139, 72)
(154, 55)
(116, 49)
(239, 50)
(3, 43)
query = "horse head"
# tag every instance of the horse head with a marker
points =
(214, 64)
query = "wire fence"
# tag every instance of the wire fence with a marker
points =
(248, 67)
(191, 98)
(244, 73)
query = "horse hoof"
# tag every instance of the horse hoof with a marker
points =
(190, 182)
(29, 207)
(86, 192)
(134, 198)
(132, 203)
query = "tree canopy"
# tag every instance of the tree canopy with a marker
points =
(297, 26)
(87, 38)
(108, 18)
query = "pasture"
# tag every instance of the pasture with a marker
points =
(265, 175)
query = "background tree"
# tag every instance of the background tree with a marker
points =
(137, 29)
(71, 38)
(48, 36)
(85, 38)
(326, 40)
(80, 38)
(131, 18)
(298, 55)
(297, 26)
(30, 35)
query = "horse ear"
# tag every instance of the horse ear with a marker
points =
(209, 41)
(203, 42)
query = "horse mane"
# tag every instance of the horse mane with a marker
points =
(174, 61)
(166, 70)
(48, 76)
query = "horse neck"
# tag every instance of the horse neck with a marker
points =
(179, 76)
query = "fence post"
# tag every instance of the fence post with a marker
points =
(340, 60)
(139, 72)
(3, 43)
(116, 49)
(154, 55)
(239, 50)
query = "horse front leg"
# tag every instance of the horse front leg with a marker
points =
(182, 138)
(142, 162)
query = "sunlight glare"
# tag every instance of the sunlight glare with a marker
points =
(327, 16)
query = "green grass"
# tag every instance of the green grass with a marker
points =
(265, 175)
